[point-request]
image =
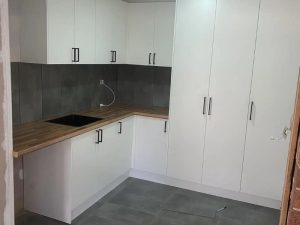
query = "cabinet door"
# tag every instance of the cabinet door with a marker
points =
(140, 39)
(164, 33)
(190, 80)
(119, 24)
(123, 152)
(276, 69)
(106, 157)
(230, 83)
(60, 37)
(150, 149)
(84, 168)
(85, 30)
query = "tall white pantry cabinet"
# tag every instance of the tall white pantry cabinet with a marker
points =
(235, 70)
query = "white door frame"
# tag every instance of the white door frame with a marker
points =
(6, 146)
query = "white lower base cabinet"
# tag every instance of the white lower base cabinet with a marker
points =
(150, 145)
(65, 179)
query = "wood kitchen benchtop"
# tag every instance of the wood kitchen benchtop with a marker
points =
(40, 134)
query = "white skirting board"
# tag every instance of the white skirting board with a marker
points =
(87, 204)
(205, 189)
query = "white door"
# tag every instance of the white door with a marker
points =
(230, 83)
(150, 148)
(103, 31)
(140, 33)
(60, 37)
(190, 80)
(124, 150)
(84, 168)
(106, 159)
(119, 28)
(276, 69)
(164, 33)
(85, 30)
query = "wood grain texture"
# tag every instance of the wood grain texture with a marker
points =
(40, 134)
(291, 161)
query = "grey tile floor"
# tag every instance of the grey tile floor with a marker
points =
(138, 202)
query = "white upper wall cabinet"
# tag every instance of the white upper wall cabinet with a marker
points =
(276, 70)
(111, 22)
(140, 33)
(190, 81)
(150, 33)
(73, 31)
(85, 38)
(230, 82)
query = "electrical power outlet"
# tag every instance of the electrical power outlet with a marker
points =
(101, 82)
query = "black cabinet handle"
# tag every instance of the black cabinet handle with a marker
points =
(210, 106)
(74, 54)
(251, 111)
(78, 55)
(154, 58)
(120, 131)
(99, 136)
(204, 106)
(165, 129)
(150, 54)
(113, 56)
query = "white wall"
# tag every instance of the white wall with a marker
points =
(14, 30)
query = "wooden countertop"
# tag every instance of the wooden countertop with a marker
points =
(40, 134)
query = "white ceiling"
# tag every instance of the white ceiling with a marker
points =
(137, 1)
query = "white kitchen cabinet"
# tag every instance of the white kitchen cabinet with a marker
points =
(164, 33)
(150, 145)
(190, 81)
(275, 74)
(111, 22)
(150, 33)
(140, 33)
(73, 31)
(85, 37)
(63, 180)
(230, 83)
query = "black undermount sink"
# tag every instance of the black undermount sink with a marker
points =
(75, 120)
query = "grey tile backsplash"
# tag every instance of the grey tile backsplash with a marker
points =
(45, 91)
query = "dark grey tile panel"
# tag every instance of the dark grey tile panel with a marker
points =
(51, 82)
(30, 92)
(161, 86)
(126, 84)
(143, 91)
(15, 88)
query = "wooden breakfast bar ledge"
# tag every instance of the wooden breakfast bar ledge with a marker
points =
(36, 135)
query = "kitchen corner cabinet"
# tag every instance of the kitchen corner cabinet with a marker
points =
(63, 180)
(150, 145)
(111, 23)
(150, 33)
(72, 31)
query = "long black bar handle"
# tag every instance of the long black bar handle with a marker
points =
(166, 124)
(204, 106)
(115, 60)
(251, 110)
(210, 106)
(150, 54)
(112, 56)
(99, 136)
(78, 55)
(120, 131)
(73, 54)
(154, 58)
